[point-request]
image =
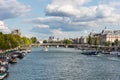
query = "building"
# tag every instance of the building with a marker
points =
(84, 40)
(16, 32)
(76, 40)
(107, 36)
(52, 38)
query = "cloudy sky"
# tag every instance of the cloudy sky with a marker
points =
(59, 18)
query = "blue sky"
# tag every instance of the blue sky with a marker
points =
(59, 18)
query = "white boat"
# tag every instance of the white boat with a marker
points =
(29, 50)
(3, 73)
(115, 53)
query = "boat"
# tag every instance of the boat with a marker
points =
(28, 50)
(21, 55)
(24, 51)
(3, 72)
(13, 59)
(90, 52)
(115, 53)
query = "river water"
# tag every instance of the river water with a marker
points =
(64, 64)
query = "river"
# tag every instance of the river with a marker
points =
(64, 64)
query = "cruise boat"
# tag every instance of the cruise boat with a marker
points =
(90, 52)
(115, 53)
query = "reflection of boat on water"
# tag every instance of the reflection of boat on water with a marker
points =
(45, 48)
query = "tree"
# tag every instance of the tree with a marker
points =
(34, 39)
(44, 41)
(90, 40)
(107, 43)
(66, 41)
(97, 41)
(26, 41)
(116, 42)
(8, 41)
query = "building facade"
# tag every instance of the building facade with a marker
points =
(107, 36)
(16, 32)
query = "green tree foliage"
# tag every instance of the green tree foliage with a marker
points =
(8, 41)
(108, 43)
(97, 41)
(34, 39)
(26, 41)
(90, 40)
(66, 41)
(116, 42)
(2, 41)
(44, 41)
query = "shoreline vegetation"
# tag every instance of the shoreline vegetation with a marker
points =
(13, 46)
(10, 42)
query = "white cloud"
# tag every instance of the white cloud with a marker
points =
(12, 8)
(3, 28)
(42, 26)
(57, 32)
(74, 16)
(65, 24)
(65, 7)
(103, 11)
(41, 29)
(74, 3)
(69, 8)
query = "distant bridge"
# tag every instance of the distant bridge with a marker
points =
(60, 44)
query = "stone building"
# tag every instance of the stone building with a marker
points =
(84, 40)
(108, 35)
(16, 32)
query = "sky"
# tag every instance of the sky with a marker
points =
(59, 18)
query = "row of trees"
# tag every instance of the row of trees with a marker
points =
(8, 41)
(91, 41)
(65, 41)
(96, 41)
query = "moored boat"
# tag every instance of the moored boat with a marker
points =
(89, 52)
(21, 55)
(13, 59)
(28, 50)
(115, 53)
(3, 72)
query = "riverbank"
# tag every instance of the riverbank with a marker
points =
(11, 57)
